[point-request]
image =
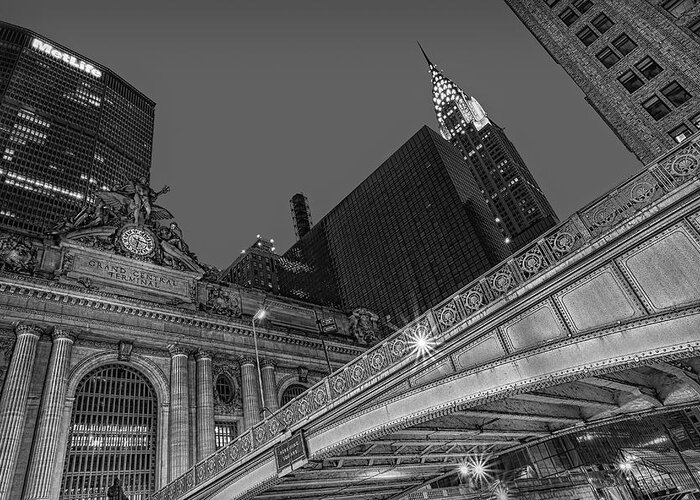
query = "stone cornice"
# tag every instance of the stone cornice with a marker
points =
(44, 290)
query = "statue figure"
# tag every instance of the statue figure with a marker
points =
(364, 325)
(115, 492)
(137, 199)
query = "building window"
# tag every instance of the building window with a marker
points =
(587, 36)
(695, 27)
(678, 7)
(648, 68)
(676, 94)
(695, 120)
(224, 433)
(624, 44)
(224, 388)
(568, 16)
(583, 5)
(656, 108)
(608, 57)
(680, 133)
(602, 23)
(291, 392)
(630, 81)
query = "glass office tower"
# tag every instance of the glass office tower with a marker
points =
(416, 230)
(68, 127)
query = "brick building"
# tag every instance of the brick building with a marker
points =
(637, 62)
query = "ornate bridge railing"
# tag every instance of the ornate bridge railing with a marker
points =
(611, 214)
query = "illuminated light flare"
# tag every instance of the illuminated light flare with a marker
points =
(422, 343)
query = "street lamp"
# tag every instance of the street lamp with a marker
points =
(259, 316)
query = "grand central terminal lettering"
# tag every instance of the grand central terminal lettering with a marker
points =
(135, 276)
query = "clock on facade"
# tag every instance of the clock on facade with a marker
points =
(137, 241)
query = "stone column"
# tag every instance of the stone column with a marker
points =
(250, 392)
(269, 385)
(48, 429)
(206, 444)
(179, 412)
(13, 402)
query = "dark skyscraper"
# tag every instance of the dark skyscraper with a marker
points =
(301, 214)
(414, 231)
(637, 62)
(514, 197)
(68, 127)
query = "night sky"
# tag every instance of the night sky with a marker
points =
(259, 100)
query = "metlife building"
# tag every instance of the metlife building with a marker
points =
(68, 128)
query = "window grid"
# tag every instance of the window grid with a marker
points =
(112, 435)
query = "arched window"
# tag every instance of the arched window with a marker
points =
(291, 392)
(112, 435)
(224, 387)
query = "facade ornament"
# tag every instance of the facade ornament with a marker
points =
(225, 302)
(124, 349)
(27, 329)
(126, 221)
(17, 254)
(364, 326)
(231, 371)
(247, 360)
(303, 373)
(268, 362)
(202, 354)
(178, 349)
(63, 333)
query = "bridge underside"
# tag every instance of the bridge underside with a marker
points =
(393, 465)
(605, 324)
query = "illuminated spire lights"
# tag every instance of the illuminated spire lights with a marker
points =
(446, 96)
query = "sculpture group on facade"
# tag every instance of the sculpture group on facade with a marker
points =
(126, 220)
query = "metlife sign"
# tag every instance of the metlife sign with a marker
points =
(49, 49)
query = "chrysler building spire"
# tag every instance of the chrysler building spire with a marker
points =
(454, 108)
(519, 207)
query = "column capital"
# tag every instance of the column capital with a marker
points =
(177, 350)
(201, 354)
(59, 332)
(247, 360)
(27, 329)
(268, 363)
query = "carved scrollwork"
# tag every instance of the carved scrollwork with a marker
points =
(339, 384)
(642, 192)
(562, 242)
(448, 315)
(684, 165)
(473, 299)
(532, 262)
(377, 360)
(502, 281)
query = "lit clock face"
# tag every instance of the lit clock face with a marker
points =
(137, 241)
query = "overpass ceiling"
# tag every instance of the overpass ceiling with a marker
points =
(387, 467)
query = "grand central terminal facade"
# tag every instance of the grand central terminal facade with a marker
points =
(120, 351)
